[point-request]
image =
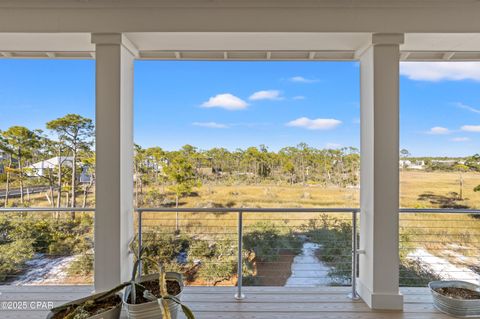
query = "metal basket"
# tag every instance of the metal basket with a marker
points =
(455, 307)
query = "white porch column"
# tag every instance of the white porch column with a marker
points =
(379, 272)
(114, 159)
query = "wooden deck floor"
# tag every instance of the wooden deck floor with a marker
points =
(261, 303)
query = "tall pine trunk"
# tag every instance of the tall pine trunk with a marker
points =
(20, 169)
(59, 181)
(7, 188)
(74, 178)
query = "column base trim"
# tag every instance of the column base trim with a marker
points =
(380, 301)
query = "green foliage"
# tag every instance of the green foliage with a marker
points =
(181, 174)
(82, 266)
(164, 248)
(266, 240)
(72, 129)
(217, 258)
(21, 238)
(200, 249)
(217, 269)
(13, 255)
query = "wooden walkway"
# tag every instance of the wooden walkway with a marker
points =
(218, 302)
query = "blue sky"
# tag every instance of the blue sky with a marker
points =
(241, 104)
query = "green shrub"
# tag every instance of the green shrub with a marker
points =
(266, 240)
(200, 249)
(13, 256)
(81, 266)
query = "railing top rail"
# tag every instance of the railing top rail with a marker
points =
(45, 209)
(245, 210)
(440, 210)
(301, 210)
(248, 210)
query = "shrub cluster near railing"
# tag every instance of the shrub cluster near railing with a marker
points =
(23, 236)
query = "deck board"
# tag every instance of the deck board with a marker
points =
(261, 303)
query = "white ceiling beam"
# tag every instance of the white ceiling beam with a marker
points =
(361, 50)
(130, 46)
(448, 55)
(404, 56)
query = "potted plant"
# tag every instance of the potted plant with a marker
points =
(156, 295)
(457, 298)
(105, 305)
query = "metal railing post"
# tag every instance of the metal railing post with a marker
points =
(140, 242)
(353, 294)
(239, 295)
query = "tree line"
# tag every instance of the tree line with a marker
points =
(70, 139)
(183, 169)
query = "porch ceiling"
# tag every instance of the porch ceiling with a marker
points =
(242, 46)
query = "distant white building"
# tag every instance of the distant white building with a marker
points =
(41, 168)
(3, 157)
(419, 165)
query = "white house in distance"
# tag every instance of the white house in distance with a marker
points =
(412, 164)
(40, 168)
(2, 158)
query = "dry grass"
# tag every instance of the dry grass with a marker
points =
(440, 184)
(418, 189)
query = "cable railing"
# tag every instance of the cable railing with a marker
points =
(439, 244)
(293, 247)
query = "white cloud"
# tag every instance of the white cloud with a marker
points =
(226, 101)
(467, 107)
(299, 97)
(266, 95)
(301, 79)
(460, 139)
(438, 130)
(471, 128)
(210, 124)
(332, 146)
(315, 124)
(438, 71)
